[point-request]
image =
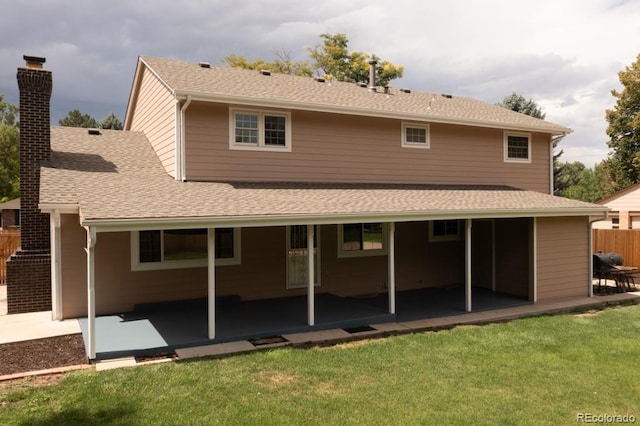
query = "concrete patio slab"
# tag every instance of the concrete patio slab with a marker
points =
(317, 336)
(215, 350)
(35, 325)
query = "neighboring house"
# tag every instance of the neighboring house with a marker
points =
(10, 214)
(625, 210)
(224, 180)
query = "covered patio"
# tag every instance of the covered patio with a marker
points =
(163, 328)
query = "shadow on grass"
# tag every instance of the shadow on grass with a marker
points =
(122, 414)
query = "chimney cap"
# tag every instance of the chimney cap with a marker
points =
(34, 61)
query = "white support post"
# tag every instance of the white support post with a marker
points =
(534, 248)
(211, 294)
(56, 267)
(311, 276)
(392, 268)
(467, 281)
(91, 291)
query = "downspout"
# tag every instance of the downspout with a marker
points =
(182, 145)
(56, 266)
(91, 295)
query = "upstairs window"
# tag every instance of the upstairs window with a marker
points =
(260, 130)
(182, 248)
(517, 147)
(415, 135)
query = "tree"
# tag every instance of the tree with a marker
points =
(519, 103)
(331, 57)
(9, 151)
(623, 162)
(584, 183)
(111, 122)
(77, 119)
(335, 60)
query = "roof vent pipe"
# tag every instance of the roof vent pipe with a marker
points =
(372, 75)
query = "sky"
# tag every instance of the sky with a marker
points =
(563, 54)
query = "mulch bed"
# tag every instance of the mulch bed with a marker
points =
(42, 354)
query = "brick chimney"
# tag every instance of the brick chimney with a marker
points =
(29, 269)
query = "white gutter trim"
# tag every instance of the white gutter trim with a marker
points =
(269, 103)
(116, 225)
(91, 291)
(61, 208)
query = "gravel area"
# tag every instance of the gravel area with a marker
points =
(42, 354)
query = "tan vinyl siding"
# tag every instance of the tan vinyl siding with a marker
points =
(563, 257)
(154, 115)
(338, 148)
(74, 266)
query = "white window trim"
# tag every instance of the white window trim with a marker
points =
(406, 144)
(136, 265)
(508, 159)
(261, 144)
(442, 238)
(292, 286)
(363, 253)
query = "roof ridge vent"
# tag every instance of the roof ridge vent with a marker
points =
(444, 95)
(361, 84)
(204, 64)
(93, 131)
(265, 72)
(319, 79)
(403, 90)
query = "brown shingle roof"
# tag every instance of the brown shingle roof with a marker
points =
(229, 84)
(117, 176)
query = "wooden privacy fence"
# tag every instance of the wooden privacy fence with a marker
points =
(9, 242)
(625, 242)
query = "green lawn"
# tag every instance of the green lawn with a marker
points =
(543, 370)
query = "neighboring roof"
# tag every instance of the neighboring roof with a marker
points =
(115, 179)
(246, 87)
(11, 204)
(622, 193)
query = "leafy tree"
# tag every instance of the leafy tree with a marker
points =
(335, 60)
(519, 103)
(111, 122)
(282, 65)
(332, 57)
(77, 119)
(9, 151)
(623, 162)
(584, 183)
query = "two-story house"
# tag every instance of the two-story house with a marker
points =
(239, 187)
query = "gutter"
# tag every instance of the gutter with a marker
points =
(180, 145)
(269, 103)
(127, 224)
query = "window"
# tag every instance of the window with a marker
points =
(362, 239)
(182, 248)
(444, 230)
(415, 135)
(517, 147)
(260, 130)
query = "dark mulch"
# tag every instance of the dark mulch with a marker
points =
(42, 354)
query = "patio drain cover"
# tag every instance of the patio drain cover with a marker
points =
(270, 340)
(361, 329)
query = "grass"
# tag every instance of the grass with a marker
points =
(542, 370)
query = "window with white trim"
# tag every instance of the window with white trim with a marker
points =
(182, 248)
(444, 230)
(259, 130)
(362, 239)
(415, 135)
(517, 147)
